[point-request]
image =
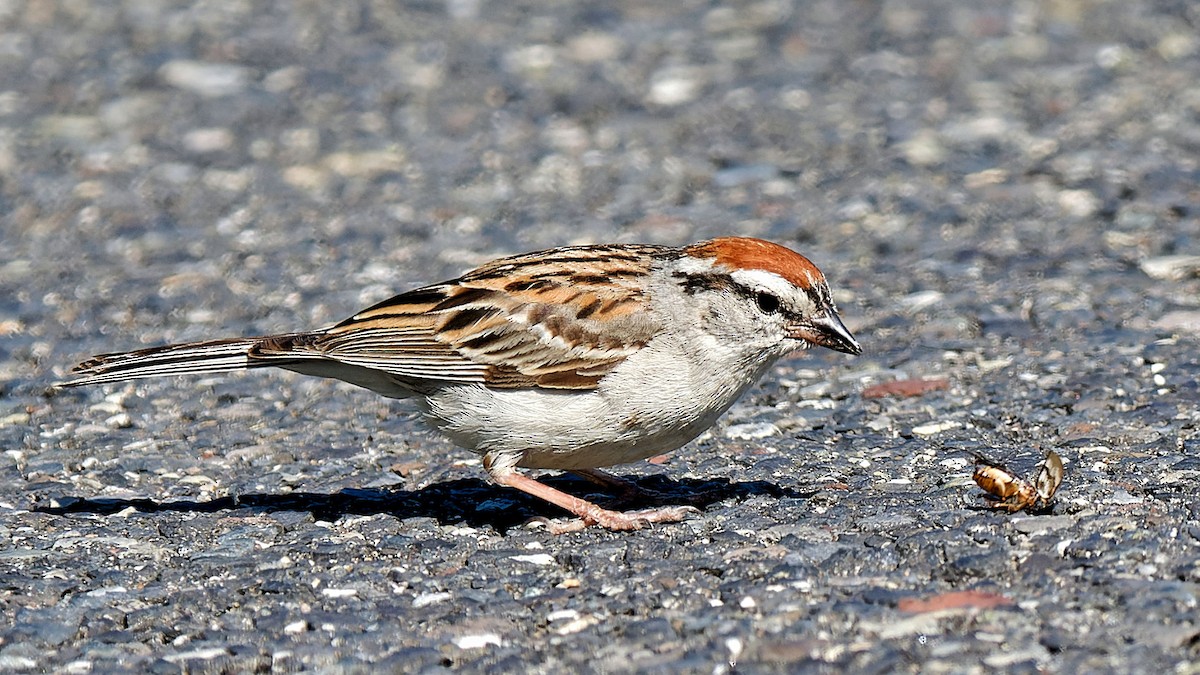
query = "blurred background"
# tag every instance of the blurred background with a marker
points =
(273, 161)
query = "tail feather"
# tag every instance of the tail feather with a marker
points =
(210, 356)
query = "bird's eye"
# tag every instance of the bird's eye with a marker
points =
(768, 303)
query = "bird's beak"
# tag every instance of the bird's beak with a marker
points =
(827, 330)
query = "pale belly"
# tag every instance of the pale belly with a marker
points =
(551, 429)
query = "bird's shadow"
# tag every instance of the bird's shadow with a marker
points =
(466, 501)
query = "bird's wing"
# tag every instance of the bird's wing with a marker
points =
(559, 320)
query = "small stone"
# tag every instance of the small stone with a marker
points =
(1121, 496)
(307, 178)
(674, 86)
(1181, 321)
(562, 615)
(477, 641)
(1041, 524)
(365, 164)
(745, 175)
(427, 599)
(1171, 267)
(208, 140)
(574, 625)
(593, 47)
(119, 421)
(15, 419)
(1078, 203)
(924, 149)
(920, 300)
(1112, 57)
(751, 431)
(79, 128)
(534, 558)
(197, 655)
(880, 423)
(1175, 46)
(935, 427)
(210, 80)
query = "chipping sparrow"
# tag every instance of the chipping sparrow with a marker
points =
(573, 358)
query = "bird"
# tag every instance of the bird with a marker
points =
(575, 358)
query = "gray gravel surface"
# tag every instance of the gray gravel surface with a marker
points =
(1004, 196)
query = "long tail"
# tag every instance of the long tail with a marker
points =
(210, 356)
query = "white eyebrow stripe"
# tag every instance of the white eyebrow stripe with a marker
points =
(762, 279)
(692, 265)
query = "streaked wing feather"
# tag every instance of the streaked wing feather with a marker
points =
(546, 320)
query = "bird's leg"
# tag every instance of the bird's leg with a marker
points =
(589, 513)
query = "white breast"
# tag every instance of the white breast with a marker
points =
(654, 402)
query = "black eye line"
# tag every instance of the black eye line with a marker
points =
(758, 295)
(694, 283)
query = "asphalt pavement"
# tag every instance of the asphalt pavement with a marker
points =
(1005, 197)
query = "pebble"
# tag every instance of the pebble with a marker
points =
(751, 431)
(1122, 496)
(427, 599)
(1042, 524)
(206, 654)
(207, 79)
(535, 558)
(1171, 267)
(674, 86)
(205, 141)
(478, 641)
(1184, 322)
(119, 421)
(934, 428)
